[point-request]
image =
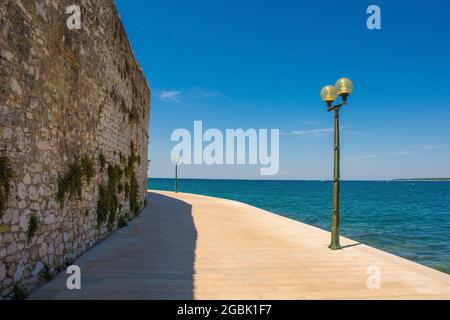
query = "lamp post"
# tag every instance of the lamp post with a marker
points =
(176, 162)
(342, 88)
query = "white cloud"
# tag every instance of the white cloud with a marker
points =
(430, 147)
(403, 153)
(358, 133)
(314, 132)
(191, 94)
(364, 157)
(419, 149)
(170, 96)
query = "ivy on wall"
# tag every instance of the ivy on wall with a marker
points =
(6, 174)
(32, 227)
(121, 179)
(108, 203)
(134, 190)
(71, 183)
(101, 161)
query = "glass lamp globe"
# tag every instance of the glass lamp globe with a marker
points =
(176, 160)
(328, 94)
(344, 87)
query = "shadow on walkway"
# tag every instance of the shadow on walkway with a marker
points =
(351, 245)
(152, 258)
(171, 240)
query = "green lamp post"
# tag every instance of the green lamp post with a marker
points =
(176, 162)
(342, 88)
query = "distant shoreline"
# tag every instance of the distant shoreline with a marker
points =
(315, 180)
(423, 179)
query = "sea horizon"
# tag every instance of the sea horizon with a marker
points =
(319, 180)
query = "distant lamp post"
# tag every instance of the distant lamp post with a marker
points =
(176, 162)
(342, 88)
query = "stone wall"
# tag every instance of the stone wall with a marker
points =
(74, 108)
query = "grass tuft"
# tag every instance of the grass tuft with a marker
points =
(122, 223)
(45, 274)
(19, 293)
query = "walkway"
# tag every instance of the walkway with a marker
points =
(187, 246)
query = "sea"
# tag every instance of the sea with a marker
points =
(410, 219)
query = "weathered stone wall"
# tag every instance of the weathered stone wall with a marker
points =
(67, 97)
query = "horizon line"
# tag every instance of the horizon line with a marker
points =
(319, 180)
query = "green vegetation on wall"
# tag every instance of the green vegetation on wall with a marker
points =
(133, 114)
(134, 190)
(45, 274)
(108, 200)
(122, 158)
(6, 175)
(122, 223)
(126, 190)
(32, 227)
(107, 205)
(18, 293)
(83, 170)
(132, 159)
(114, 175)
(133, 187)
(88, 168)
(72, 181)
(101, 161)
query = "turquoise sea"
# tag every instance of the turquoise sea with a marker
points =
(408, 219)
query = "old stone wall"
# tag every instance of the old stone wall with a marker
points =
(74, 111)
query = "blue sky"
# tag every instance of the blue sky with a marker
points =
(262, 64)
